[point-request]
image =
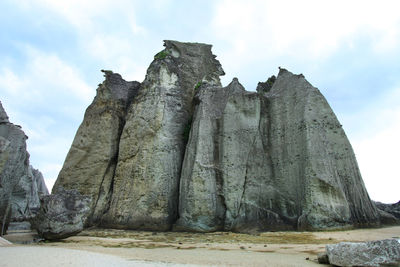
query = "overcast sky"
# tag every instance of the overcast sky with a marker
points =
(51, 53)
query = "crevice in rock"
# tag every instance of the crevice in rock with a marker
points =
(218, 173)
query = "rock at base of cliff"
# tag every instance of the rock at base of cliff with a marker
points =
(62, 214)
(375, 253)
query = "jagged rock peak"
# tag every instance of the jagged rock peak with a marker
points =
(3, 114)
(117, 88)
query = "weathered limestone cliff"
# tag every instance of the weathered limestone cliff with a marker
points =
(20, 184)
(180, 151)
(277, 159)
(91, 161)
(145, 189)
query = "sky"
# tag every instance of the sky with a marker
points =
(51, 54)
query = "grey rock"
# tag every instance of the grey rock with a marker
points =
(323, 258)
(181, 150)
(14, 164)
(3, 114)
(62, 214)
(20, 184)
(387, 218)
(268, 161)
(91, 161)
(393, 209)
(25, 196)
(314, 165)
(146, 182)
(375, 253)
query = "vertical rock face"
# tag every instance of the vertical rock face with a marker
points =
(274, 160)
(18, 186)
(26, 195)
(90, 164)
(313, 162)
(151, 151)
(181, 150)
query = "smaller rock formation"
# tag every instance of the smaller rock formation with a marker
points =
(26, 194)
(20, 184)
(62, 214)
(375, 253)
(393, 209)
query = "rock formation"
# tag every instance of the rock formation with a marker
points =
(20, 184)
(91, 161)
(62, 214)
(277, 159)
(374, 253)
(393, 209)
(179, 150)
(26, 195)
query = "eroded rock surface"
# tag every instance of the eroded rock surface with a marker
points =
(26, 195)
(20, 184)
(375, 253)
(274, 160)
(146, 182)
(62, 214)
(393, 209)
(90, 164)
(183, 150)
(316, 175)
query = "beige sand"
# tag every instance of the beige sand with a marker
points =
(126, 248)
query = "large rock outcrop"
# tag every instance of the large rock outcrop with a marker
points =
(278, 159)
(20, 185)
(90, 164)
(146, 183)
(183, 151)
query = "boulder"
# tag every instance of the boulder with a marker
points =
(91, 161)
(62, 214)
(375, 253)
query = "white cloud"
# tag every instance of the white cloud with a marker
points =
(304, 28)
(43, 75)
(378, 157)
(377, 149)
(36, 96)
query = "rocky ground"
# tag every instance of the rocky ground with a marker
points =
(137, 248)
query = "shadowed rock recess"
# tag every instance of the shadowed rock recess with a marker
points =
(179, 151)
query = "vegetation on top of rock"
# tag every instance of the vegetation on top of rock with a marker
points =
(264, 87)
(161, 55)
(198, 85)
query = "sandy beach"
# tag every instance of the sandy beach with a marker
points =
(108, 247)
